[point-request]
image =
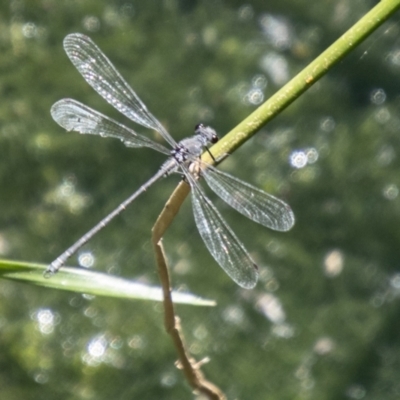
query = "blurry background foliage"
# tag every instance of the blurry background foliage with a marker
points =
(323, 321)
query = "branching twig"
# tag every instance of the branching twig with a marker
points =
(189, 365)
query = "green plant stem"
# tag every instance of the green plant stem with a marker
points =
(305, 79)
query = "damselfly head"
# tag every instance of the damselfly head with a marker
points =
(207, 132)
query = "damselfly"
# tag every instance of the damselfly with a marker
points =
(184, 158)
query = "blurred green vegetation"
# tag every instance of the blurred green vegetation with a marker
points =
(323, 321)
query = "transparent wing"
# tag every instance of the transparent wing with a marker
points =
(250, 201)
(98, 71)
(75, 116)
(220, 240)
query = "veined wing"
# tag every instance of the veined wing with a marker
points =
(220, 240)
(75, 116)
(101, 74)
(250, 201)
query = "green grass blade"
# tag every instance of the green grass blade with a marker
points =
(90, 282)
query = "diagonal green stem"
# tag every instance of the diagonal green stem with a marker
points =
(306, 78)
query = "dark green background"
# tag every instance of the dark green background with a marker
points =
(301, 333)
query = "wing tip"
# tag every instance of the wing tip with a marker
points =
(251, 281)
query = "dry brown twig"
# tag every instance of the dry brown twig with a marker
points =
(189, 366)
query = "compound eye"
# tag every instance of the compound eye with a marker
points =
(198, 127)
(214, 138)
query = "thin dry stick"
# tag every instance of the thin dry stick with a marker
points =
(189, 365)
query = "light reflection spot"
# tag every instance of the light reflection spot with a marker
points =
(377, 96)
(91, 23)
(201, 332)
(86, 259)
(386, 155)
(327, 124)
(284, 331)
(259, 81)
(394, 57)
(136, 342)
(245, 12)
(324, 346)
(29, 30)
(390, 191)
(395, 281)
(272, 308)
(312, 155)
(277, 30)
(4, 245)
(382, 115)
(46, 321)
(333, 263)
(97, 347)
(255, 96)
(298, 159)
(168, 379)
(276, 67)
(234, 315)
(41, 377)
(356, 391)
